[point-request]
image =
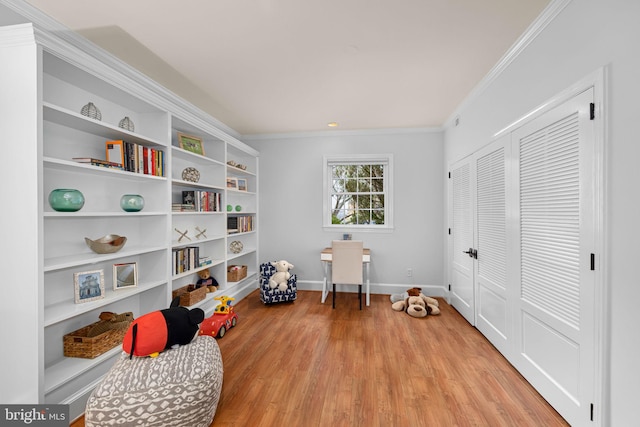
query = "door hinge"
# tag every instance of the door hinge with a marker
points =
(592, 412)
(449, 287)
(449, 232)
(593, 262)
(592, 111)
(449, 175)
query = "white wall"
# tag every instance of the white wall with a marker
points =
(291, 194)
(587, 34)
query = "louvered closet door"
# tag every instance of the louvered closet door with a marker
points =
(554, 310)
(461, 240)
(492, 302)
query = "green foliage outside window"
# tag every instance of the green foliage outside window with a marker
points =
(357, 194)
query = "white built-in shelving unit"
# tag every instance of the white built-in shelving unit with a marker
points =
(46, 79)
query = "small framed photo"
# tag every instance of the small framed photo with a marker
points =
(242, 184)
(89, 286)
(125, 275)
(232, 183)
(191, 143)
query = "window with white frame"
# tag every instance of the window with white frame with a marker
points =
(357, 191)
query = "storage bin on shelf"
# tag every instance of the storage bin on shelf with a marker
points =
(78, 344)
(236, 273)
(189, 294)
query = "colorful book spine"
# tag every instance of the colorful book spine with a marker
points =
(135, 157)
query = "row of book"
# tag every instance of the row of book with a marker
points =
(239, 224)
(97, 162)
(199, 201)
(135, 157)
(188, 258)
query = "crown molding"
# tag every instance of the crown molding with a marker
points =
(552, 10)
(330, 133)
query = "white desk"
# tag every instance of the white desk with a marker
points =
(326, 256)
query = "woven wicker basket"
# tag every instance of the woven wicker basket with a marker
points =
(234, 275)
(77, 344)
(189, 295)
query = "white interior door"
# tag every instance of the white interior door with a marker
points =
(461, 241)
(555, 223)
(526, 207)
(493, 315)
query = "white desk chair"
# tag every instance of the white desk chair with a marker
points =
(346, 265)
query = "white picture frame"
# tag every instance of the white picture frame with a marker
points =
(125, 275)
(232, 183)
(88, 286)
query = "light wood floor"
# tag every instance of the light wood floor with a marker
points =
(304, 364)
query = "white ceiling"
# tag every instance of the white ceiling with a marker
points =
(276, 66)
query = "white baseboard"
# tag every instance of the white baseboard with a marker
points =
(379, 288)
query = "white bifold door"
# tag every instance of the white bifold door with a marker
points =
(478, 244)
(523, 216)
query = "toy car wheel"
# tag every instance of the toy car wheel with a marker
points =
(233, 322)
(222, 331)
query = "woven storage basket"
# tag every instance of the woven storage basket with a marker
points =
(237, 274)
(78, 344)
(189, 295)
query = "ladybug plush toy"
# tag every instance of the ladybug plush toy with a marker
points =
(154, 332)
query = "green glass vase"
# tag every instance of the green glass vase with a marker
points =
(66, 200)
(132, 202)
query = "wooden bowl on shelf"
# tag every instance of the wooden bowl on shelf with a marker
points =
(106, 244)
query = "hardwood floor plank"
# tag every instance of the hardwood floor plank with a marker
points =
(305, 364)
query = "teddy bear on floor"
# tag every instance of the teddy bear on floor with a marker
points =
(280, 278)
(416, 304)
(205, 279)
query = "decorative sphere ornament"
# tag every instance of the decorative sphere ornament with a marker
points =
(236, 246)
(191, 174)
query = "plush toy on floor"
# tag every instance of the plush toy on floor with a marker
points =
(161, 330)
(205, 279)
(281, 276)
(415, 303)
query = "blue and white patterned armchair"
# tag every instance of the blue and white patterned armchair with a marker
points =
(270, 296)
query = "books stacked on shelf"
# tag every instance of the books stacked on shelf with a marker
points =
(205, 260)
(97, 162)
(202, 201)
(239, 224)
(185, 259)
(135, 157)
(183, 207)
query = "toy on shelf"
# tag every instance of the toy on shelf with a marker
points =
(223, 318)
(205, 279)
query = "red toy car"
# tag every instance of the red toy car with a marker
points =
(219, 323)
